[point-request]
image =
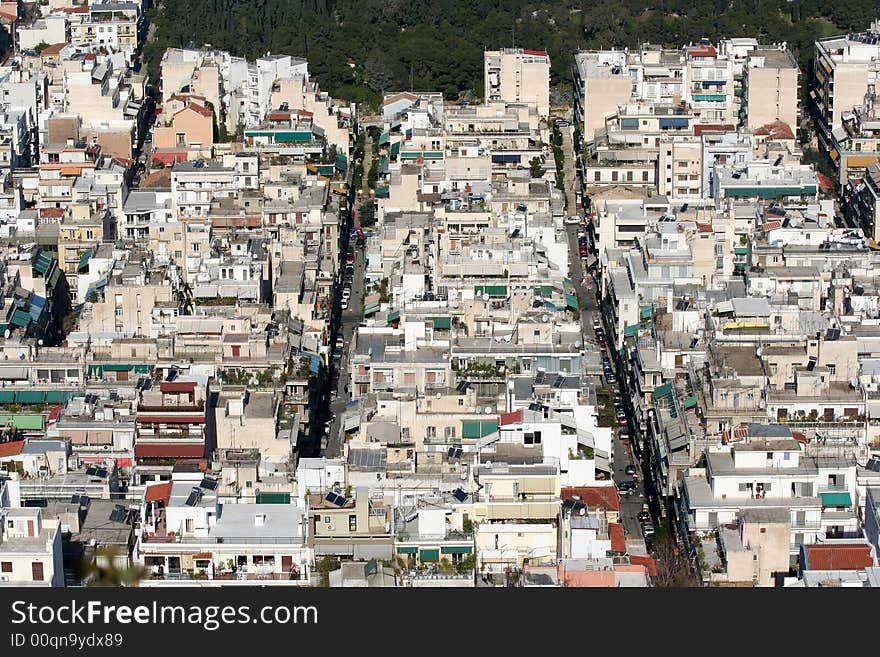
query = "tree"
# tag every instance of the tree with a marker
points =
(536, 167)
(367, 213)
(674, 568)
(102, 570)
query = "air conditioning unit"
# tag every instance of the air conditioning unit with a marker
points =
(5, 578)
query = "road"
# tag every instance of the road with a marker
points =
(351, 319)
(568, 168)
(630, 505)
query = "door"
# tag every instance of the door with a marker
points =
(37, 571)
(286, 563)
(236, 351)
(30, 527)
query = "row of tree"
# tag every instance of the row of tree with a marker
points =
(438, 44)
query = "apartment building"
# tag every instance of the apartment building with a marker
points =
(516, 75)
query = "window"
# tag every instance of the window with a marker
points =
(763, 530)
(352, 523)
(6, 567)
(832, 367)
(430, 432)
(326, 520)
(461, 402)
(189, 526)
(449, 432)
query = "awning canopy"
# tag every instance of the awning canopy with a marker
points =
(9, 373)
(571, 301)
(836, 499)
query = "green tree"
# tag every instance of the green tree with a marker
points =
(536, 167)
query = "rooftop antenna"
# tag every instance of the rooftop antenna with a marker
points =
(410, 77)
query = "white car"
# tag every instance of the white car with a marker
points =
(345, 304)
(573, 219)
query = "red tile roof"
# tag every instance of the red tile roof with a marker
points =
(776, 130)
(198, 109)
(158, 492)
(166, 451)
(177, 386)
(595, 497)
(648, 562)
(700, 128)
(511, 418)
(535, 53)
(54, 49)
(842, 556)
(701, 50)
(618, 542)
(51, 213)
(825, 183)
(11, 449)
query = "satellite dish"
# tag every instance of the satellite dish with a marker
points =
(21, 355)
(488, 410)
(583, 511)
(762, 404)
(485, 297)
(854, 382)
(40, 342)
(545, 318)
(759, 352)
(7, 333)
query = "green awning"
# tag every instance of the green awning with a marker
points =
(429, 555)
(20, 318)
(737, 92)
(740, 250)
(407, 550)
(571, 301)
(836, 499)
(341, 162)
(96, 371)
(646, 312)
(491, 290)
(543, 290)
(415, 155)
(58, 396)
(631, 331)
(663, 390)
(273, 498)
(29, 422)
(84, 260)
(30, 397)
(444, 323)
(457, 550)
(384, 138)
(739, 266)
(690, 402)
(143, 369)
(393, 316)
(478, 428)
(43, 262)
(371, 308)
(7, 397)
(118, 368)
(395, 149)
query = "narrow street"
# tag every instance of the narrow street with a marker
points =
(630, 505)
(568, 168)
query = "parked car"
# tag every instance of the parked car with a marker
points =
(644, 516)
(648, 529)
(630, 469)
(626, 487)
(345, 304)
(573, 219)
